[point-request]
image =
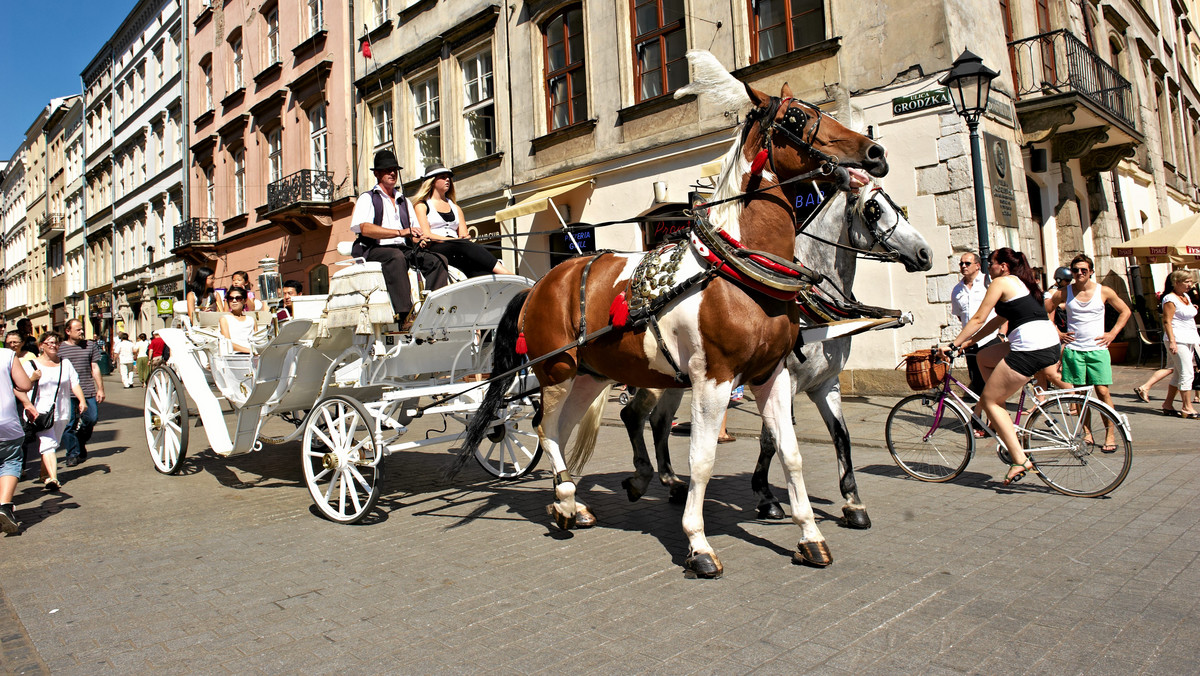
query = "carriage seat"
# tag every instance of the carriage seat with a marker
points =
(350, 292)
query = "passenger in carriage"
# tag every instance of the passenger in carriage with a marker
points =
(237, 326)
(201, 295)
(386, 225)
(444, 228)
(289, 289)
(241, 280)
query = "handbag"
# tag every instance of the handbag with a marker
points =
(43, 421)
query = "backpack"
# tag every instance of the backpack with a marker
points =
(363, 244)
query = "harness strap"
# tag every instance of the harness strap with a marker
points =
(587, 269)
(680, 376)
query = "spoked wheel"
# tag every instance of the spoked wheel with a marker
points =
(343, 462)
(922, 449)
(166, 420)
(511, 448)
(1069, 447)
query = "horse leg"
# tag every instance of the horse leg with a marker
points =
(768, 504)
(828, 398)
(709, 401)
(660, 423)
(634, 416)
(563, 405)
(773, 398)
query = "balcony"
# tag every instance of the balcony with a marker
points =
(1069, 96)
(196, 239)
(50, 226)
(301, 201)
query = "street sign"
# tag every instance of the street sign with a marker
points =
(920, 101)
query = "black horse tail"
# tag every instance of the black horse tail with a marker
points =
(504, 359)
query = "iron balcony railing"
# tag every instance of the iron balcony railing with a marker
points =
(1058, 62)
(196, 231)
(50, 224)
(306, 185)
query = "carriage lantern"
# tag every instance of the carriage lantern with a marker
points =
(269, 282)
(970, 84)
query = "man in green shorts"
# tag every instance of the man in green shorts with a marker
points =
(1085, 358)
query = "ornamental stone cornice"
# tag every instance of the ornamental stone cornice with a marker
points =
(1039, 125)
(1105, 159)
(1075, 144)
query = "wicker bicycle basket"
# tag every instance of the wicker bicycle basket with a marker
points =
(921, 371)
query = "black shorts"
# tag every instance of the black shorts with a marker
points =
(1029, 363)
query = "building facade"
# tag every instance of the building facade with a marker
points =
(97, 79)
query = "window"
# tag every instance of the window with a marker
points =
(273, 36)
(318, 280)
(479, 110)
(275, 155)
(566, 86)
(380, 9)
(316, 20)
(780, 26)
(210, 193)
(208, 86)
(160, 145)
(158, 66)
(659, 46)
(428, 131)
(318, 138)
(381, 114)
(236, 46)
(239, 182)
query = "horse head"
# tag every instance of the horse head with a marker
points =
(877, 224)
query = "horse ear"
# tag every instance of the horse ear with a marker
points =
(758, 98)
(786, 92)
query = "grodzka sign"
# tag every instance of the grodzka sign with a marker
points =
(921, 101)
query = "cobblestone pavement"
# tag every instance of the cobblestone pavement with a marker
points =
(226, 568)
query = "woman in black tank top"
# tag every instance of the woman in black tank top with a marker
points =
(436, 196)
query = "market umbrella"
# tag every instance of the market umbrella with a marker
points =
(1178, 243)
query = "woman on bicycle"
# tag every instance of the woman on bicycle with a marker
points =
(1033, 345)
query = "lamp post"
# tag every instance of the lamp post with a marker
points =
(970, 83)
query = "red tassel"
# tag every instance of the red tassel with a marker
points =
(522, 348)
(760, 161)
(618, 312)
(366, 49)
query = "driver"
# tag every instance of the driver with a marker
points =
(386, 224)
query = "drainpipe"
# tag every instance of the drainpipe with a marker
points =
(353, 106)
(512, 167)
(185, 126)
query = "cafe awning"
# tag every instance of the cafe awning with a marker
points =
(1178, 243)
(538, 201)
(711, 169)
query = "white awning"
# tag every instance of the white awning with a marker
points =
(711, 169)
(539, 201)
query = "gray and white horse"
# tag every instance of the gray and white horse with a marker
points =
(865, 219)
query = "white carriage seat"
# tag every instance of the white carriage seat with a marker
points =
(358, 279)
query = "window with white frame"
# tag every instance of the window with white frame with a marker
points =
(206, 69)
(427, 128)
(177, 134)
(273, 36)
(275, 155)
(318, 138)
(210, 193)
(381, 115)
(160, 146)
(380, 10)
(239, 182)
(479, 109)
(236, 82)
(157, 69)
(315, 14)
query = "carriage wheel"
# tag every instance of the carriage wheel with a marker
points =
(343, 462)
(511, 448)
(166, 420)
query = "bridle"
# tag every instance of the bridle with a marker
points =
(792, 127)
(872, 213)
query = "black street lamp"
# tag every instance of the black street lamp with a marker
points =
(970, 83)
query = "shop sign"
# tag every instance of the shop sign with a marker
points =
(1004, 201)
(933, 98)
(161, 288)
(165, 306)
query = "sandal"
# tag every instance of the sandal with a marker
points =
(1190, 415)
(1142, 394)
(1014, 478)
(726, 439)
(1170, 412)
(1108, 448)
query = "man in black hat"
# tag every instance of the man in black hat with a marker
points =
(388, 233)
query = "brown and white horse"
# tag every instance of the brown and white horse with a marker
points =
(717, 334)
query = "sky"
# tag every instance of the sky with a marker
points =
(44, 45)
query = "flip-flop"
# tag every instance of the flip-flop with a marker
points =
(1108, 448)
(1190, 416)
(1142, 394)
(1170, 412)
(727, 439)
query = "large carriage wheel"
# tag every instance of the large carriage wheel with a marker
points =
(166, 420)
(511, 448)
(343, 462)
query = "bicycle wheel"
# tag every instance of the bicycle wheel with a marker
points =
(1067, 446)
(923, 451)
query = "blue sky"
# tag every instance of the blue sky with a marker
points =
(44, 44)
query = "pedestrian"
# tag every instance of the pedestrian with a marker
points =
(965, 299)
(29, 342)
(126, 361)
(13, 400)
(1085, 356)
(202, 296)
(444, 227)
(1033, 345)
(157, 349)
(84, 355)
(141, 351)
(55, 380)
(14, 342)
(1181, 340)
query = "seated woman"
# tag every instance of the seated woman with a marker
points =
(237, 326)
(201, 295)
(1033, 345)
(444, 227)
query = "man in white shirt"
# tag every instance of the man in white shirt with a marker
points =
(383, 236)
(965, 299)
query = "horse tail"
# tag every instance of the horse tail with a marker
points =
(504, 359)
(585, 436)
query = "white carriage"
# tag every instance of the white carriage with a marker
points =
(349, 387)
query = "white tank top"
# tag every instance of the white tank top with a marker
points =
(10, 421)
(1183, 322)
(239, 331)
(1086, 320)
(438, 225)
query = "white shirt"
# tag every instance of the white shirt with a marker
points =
(364, 212)
(125, 352)
(10, 421)
(1183, 322)
(438, 224)
(965, 302)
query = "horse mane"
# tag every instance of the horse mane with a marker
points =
(863, 196)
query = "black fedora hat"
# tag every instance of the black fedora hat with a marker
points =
(435, 169)
(385, 159)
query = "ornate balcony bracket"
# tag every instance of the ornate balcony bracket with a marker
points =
(1105, 159)
(1040, 125)
(1075, 144)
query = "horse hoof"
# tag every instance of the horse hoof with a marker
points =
(631, 491)
(584, 517)
(813, 553)
(704, 565)
(678, 494)
(562, 520)
(856, 517)
(771, 511)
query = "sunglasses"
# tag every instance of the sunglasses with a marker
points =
(964, 264)
(236, 299)
(1080, 271)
